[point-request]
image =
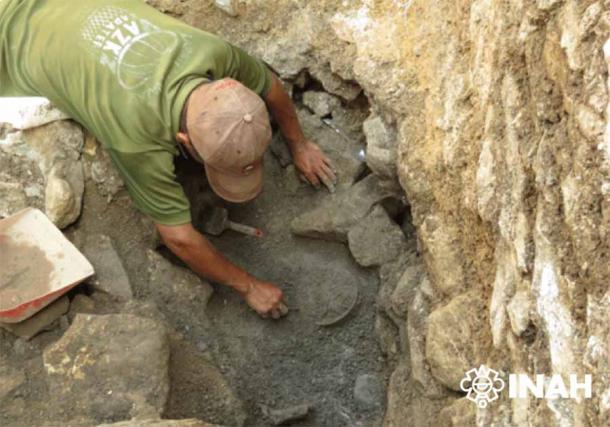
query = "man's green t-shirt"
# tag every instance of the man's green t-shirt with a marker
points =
(124, 71)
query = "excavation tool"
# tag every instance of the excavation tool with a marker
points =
(216, 221)
(37, 265)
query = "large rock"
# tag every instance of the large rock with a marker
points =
(456, 340)
(376, 239)
(176, 286)
(110, 275)
(109, 368)
(193, 375)
(336, 215)
(321, 103)
(12, 196)
(442, 255)
(381, 155)
(461, 413)
(10, 379)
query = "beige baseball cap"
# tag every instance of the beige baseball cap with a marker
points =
(229, 127)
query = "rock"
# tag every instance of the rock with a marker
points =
(82, 304)
(40, 321)
(292, 180)
(21, 347)
(457, 339)
(405, 289)
(519, 312)
(109, 368)
(229, 6)
(101, 170)
(334, 84)
(288, 55)
(417, 330)
(462, 413)
(110, 275)
(338, 213)
(60, 202)
(279, 148)
(57, 147)
(12, 197)
(10, 379)
(193, 375)
(441, 253)
(399, 394)
(376, 239)
(380, 147)
(388, 336)
(321, 103)
(177, 286)
(161, 423)
(287, 415)
(369, 391)
(29, 112)
(45, 162)
(342, 150)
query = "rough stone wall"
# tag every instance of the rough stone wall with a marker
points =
(501, 110)
(505, 160)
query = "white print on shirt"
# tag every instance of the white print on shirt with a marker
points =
(132, 48)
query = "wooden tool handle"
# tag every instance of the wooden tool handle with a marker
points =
(245, 229)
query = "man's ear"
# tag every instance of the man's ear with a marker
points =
(183, 138)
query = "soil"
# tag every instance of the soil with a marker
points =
(285, 363)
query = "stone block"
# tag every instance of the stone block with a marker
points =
(109, 368)
(376, 239)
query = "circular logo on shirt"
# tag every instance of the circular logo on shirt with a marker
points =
(141, 58)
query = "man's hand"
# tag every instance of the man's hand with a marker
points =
(195, 250)
(314, 166)
(310, 161)
(266, 299)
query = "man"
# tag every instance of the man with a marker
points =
(143, 83)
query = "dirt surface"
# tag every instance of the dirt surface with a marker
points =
(279, 364)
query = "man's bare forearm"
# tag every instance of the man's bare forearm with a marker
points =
(203, 258)
(283, 111)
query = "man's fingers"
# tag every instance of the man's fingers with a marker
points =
(283, 308)
(280, 311)
(330, 173)
(328, 182)
(313, 179)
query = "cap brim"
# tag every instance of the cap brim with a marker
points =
(236, 189)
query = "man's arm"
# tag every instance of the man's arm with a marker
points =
(307, 156)
(199, 254)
